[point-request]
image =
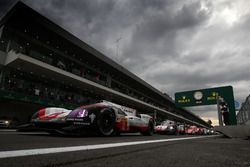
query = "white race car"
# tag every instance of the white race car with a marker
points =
(166, 127)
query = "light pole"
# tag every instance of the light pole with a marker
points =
(117, 46)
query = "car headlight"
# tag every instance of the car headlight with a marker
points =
(82, 113)
(171, 127)
(6, 122)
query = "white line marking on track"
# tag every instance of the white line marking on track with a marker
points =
(28, 152)
(24, 133)
(7, 130)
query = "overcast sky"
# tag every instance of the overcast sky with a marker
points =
(173, 45)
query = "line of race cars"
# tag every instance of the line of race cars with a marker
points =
(173, 128)
(104, 118)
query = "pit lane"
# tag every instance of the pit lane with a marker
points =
(151, 154)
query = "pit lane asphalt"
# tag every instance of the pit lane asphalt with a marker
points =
(213, 152)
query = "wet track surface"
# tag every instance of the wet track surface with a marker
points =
(211, 151)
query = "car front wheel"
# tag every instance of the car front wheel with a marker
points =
(106, 122)
(150, 130)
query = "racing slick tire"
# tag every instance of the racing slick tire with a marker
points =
(106, 122)
(150, 130)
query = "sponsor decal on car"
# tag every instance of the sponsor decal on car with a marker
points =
(124, 124)
(81, 123)
(92, 117)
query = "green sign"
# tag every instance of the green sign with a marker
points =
(208, 97)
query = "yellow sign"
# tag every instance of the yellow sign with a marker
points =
(213, 96)
(184, 100)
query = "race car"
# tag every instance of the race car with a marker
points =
(166, 127)
(5, 123)
(107, 118)
(8, 122)
(192, 130)
(181, 129)
(200, 131)
(104, 117)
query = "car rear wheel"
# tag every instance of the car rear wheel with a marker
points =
(150, 130)
(106, 122)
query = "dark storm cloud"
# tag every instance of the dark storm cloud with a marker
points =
(155, 33)
(158, 23)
